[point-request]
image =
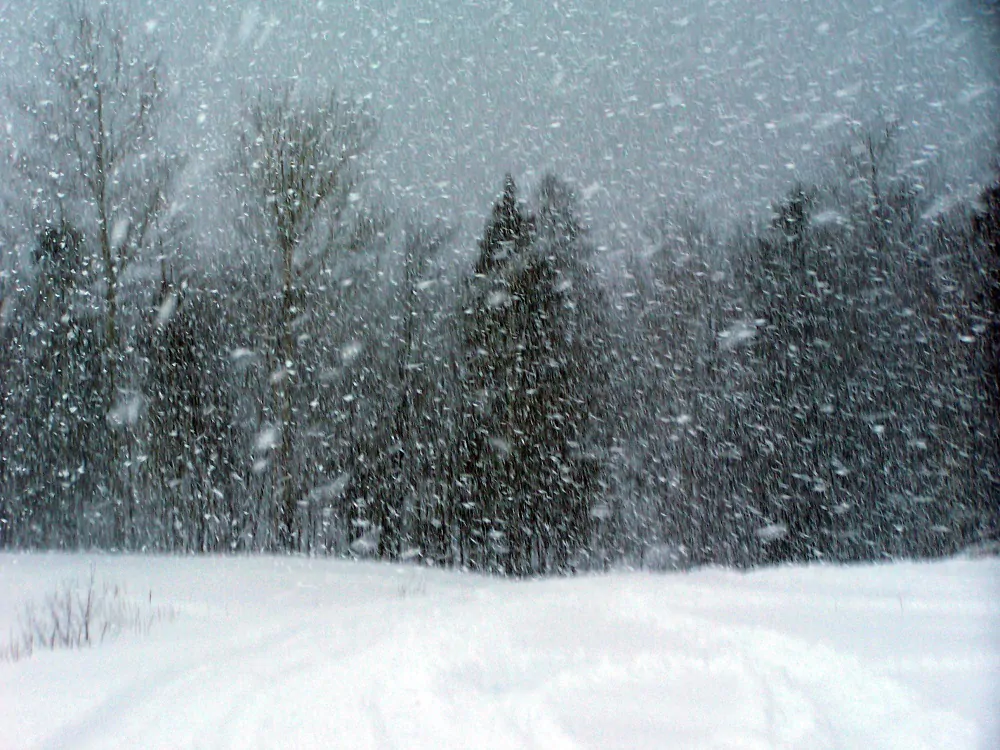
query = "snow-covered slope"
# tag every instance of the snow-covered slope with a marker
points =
(298, 653)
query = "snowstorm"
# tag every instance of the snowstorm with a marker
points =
(408, 302)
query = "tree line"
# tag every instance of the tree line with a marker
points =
(822, 385)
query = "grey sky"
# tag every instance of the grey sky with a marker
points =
(720, 103)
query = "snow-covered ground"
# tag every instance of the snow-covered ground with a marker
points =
(299, 653)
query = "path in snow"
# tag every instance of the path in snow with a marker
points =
(277, 652)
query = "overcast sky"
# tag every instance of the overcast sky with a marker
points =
(720, 104)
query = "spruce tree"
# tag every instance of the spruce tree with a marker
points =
(532, 378)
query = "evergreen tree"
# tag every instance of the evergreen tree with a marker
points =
(533, 377)
(986, 230)
(861, 437)
(191, 422)
(686, 360)
(54, 412)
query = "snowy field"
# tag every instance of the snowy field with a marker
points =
(298, 653)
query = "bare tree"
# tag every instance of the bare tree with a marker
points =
(889, 199)
(92, 158)
(93, 147)
(297, 173)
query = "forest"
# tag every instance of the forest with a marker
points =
(317, 373)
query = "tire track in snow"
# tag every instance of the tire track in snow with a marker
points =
(154, 691)
(852, 704)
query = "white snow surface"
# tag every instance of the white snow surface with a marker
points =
(269, 652)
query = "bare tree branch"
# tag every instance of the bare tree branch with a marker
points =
(296, 173)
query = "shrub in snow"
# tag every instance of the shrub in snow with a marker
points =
(81, 614)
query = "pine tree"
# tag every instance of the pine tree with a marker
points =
(533, 376)
(54, 408)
